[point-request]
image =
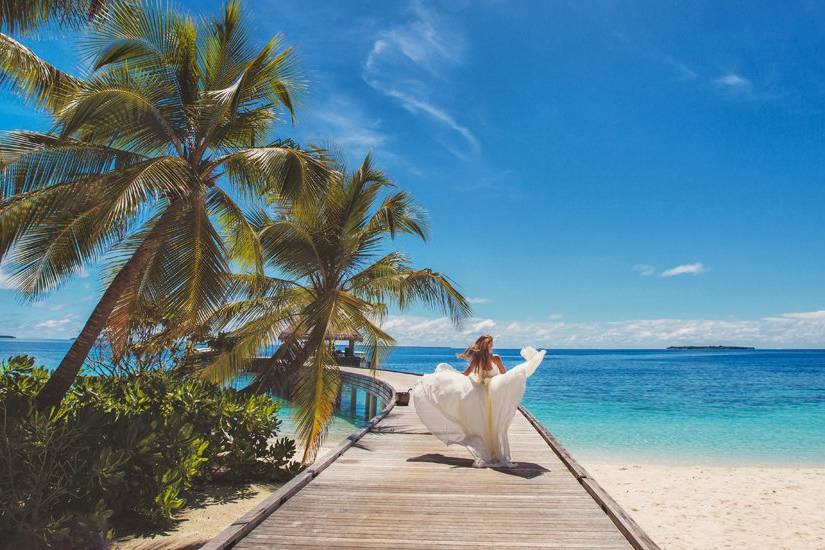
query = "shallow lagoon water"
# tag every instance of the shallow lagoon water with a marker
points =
(758, 407)
(755, 407)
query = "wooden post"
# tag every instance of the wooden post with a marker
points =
(368, 406)
(373, 406)
(353, 400)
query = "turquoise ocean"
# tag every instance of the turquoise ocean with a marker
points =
(742, 407)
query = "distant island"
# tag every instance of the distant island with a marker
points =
(709, 347)
(7, 336)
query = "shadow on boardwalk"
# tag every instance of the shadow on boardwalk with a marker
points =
(525, 470)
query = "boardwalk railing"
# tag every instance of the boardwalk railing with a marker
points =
(420, 486)
(246, 523)
(634, 534)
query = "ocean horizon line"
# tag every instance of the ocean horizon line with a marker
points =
(698, 347)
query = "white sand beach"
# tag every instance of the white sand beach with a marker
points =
(219, 507)
(710, 507)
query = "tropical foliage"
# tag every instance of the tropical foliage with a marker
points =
(122, 447)
(28, 15)
(336, 277)
(156, 159)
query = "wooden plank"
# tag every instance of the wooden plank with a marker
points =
(399, 487)
(246, 523)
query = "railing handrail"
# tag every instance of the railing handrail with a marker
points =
(246, 523)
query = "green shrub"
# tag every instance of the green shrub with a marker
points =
(124, 446)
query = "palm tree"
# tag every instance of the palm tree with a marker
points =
(28, 15)
(334, 279)
(154, 163)
(18, 64)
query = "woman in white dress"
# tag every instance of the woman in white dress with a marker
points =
(475, 408)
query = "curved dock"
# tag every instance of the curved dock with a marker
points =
(393, 485)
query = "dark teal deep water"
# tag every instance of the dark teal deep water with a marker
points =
(720, 406)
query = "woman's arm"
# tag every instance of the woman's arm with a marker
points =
(497, 361)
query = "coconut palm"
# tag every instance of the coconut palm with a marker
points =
(28, 15)
(18, 65)
(336, 276)
(153, 163)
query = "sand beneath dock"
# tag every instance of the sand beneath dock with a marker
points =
(710, 507)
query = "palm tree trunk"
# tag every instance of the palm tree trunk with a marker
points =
(62, 378)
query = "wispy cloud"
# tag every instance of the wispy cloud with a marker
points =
(410, 61)
(63, 324)
(736, 86)
(353, 128)
(416, 106)
(734, 82)
(478, 300)
(482, 325)
(680, 68)
(807, 315)
(645, 270)
(787, 330)
(685, 269)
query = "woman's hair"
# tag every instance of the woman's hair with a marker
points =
(479, 354)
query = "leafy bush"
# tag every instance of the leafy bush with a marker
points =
(123, 446)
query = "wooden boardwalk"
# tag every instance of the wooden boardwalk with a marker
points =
(399, 487)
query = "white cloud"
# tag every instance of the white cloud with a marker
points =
(352, 128)
(737, 86)
(408, 63)
(733, 81)
(555, 316)
(685, 269)
(416, 106)
(57, 325)
(483, 325)
(478, 300)
(644, 269)
(806, 315)
(789, 330)
(56, 307)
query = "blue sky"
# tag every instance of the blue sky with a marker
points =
(632, 174)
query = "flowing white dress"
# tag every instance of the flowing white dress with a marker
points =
(474, 411)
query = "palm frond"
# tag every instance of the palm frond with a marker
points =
(240, 236)
(29, 15)
(226, 50)
(35, 80)
(265, 81)
(398, 213)
(315, 394)
(30, 161)
(57, 238)
(195, 261)
(433, 290)
(274, 171)
(141, 112)
(256, 335)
